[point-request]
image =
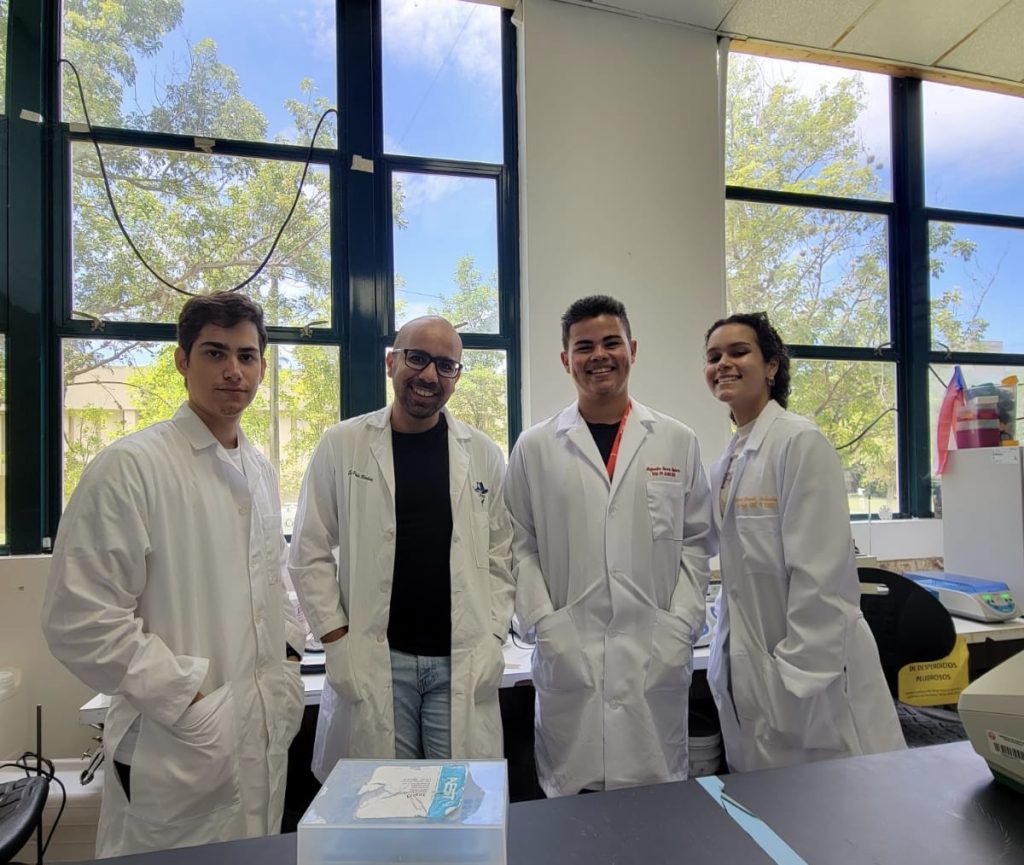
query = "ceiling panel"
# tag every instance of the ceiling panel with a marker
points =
(700, 13)
(998, 47)
(916, 31)
(795, 22)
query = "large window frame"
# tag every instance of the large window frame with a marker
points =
(38, 312)
(909, 347)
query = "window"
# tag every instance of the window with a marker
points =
(445, 124)
(876, 283)
(204, 144)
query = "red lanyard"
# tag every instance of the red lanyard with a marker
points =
(614, 455)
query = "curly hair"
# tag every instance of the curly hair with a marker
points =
(592, 307)
(771, 345)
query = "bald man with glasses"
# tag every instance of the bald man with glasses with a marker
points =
(401, 560)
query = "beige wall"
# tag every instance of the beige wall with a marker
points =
(622, 193)
(43, 680)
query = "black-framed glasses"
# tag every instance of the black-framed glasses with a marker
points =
(418, 359)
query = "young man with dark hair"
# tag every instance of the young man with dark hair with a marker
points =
(165, 592)
(611, 514)
(400, 557)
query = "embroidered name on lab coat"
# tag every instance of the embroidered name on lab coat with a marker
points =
(352, 473)
(663, 471)
(750, 503)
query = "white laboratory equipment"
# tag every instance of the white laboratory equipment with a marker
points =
(971, 597)
(983, 515)
(992, 710)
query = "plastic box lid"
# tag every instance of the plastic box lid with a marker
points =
(384, 811)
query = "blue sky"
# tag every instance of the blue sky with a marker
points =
(442, 98)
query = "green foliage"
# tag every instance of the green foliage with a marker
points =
(480, 398)
(822, 275)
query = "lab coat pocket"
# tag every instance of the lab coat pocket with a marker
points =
(667, 685)
(559, 661)
(340, 671)
(761, 543)
(665, 501)
(482, 538)
(488, 668)
(187, 771)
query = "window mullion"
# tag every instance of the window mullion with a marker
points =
(909, 297)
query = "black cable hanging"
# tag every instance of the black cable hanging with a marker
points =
(117, 216)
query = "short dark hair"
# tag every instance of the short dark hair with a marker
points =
(771, 345)
(592, 307)
(222, 308)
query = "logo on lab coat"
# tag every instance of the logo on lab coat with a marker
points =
(481, 491)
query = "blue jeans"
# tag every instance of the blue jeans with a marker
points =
(422, 688)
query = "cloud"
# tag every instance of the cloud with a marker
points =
(319, 26)
(429, 33)
(422, 190)
(980, 132)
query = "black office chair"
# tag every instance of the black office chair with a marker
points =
(21, 809)
(910, 626)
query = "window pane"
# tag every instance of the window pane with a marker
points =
(239, 69)
(844, 398)
(972, 149)
(481, 394)
(822, 275)
(115, 388)
(801, 127)
(975, 287)
(974, 376)
(204, 223)
(442, 79)
(446, 250)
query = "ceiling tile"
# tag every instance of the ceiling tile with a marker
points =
(700, 13)
(814, 23)
(996, 49)
(916, 31)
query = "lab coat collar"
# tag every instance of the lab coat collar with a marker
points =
(639, 424)
(764, 421)
(458, 457)
(198, 433)
(762, 424)
(381, 420)
(200, 437)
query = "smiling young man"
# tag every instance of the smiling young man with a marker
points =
(165, 592)
(400, 556)
(611, 513)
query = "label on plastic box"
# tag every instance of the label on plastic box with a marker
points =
(431, 792)
(448, 796)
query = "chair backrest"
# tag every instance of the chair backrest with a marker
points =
(909, 623)
(21, 808)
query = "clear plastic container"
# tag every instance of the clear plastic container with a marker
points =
(336, 829)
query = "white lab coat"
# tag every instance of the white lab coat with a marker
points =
(794, 668)
(342, 565)
(166, 580)
(612, 575)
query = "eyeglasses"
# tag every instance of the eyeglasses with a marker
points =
(420, 360)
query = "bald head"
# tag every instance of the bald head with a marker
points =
(429, 327)
(420, 390)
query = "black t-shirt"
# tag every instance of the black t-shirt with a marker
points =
(421, 619)
(604, 437)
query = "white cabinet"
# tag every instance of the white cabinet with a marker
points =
(983, 515)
